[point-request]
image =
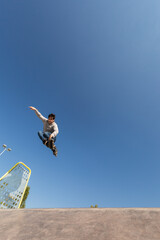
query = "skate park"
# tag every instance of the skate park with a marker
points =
(91, 224)
(80, 120)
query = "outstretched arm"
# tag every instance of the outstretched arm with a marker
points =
(32, 108)
(38, 113)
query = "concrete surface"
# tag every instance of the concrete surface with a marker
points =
(80, 224)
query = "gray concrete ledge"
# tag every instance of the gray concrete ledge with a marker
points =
(80, 224)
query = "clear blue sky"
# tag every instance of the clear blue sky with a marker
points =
(95, 64)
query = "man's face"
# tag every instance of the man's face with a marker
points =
(50, 120)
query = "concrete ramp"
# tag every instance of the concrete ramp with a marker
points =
(80, 224)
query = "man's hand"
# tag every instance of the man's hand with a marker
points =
(49, 137)
(33, 108)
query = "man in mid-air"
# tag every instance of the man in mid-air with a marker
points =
(50, 130)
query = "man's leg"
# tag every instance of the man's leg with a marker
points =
(40, 134)
(46, 135)
(51, 143)
(42, 137)
(53, 146)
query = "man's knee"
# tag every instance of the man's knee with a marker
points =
(40, 134)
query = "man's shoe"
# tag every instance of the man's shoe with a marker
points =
(55, 152)
(52, 146)
(45, 142)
